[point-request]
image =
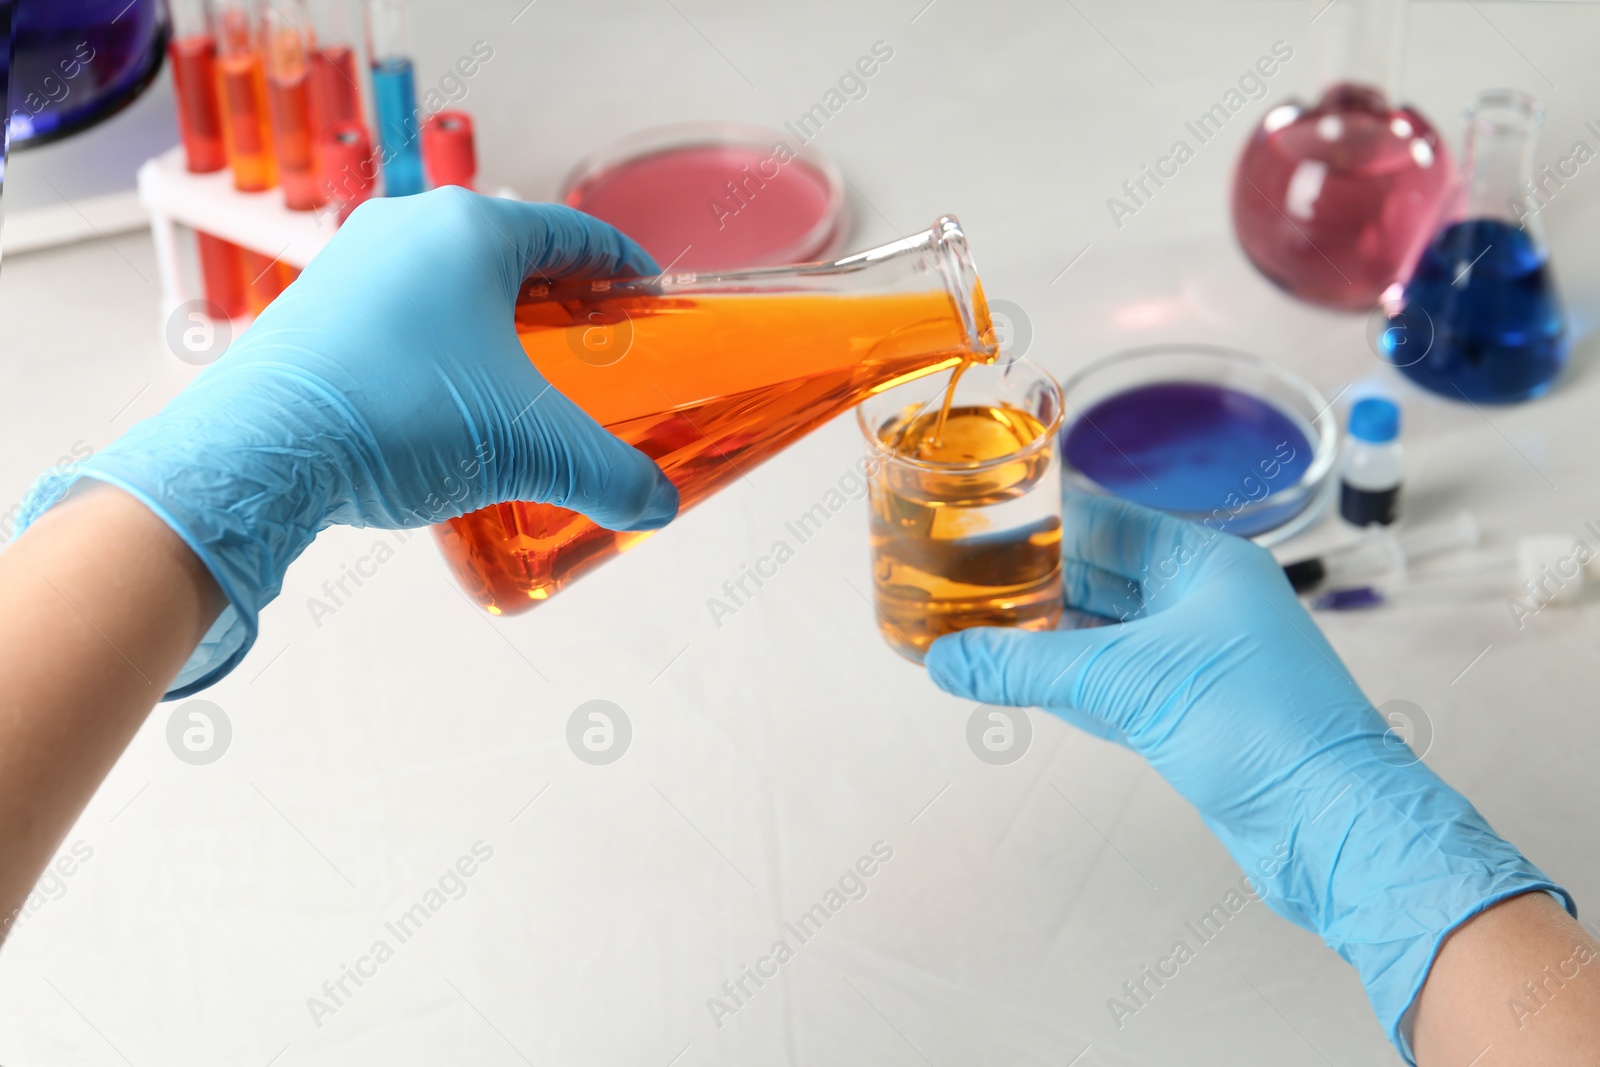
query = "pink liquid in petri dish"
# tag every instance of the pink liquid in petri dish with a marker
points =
(678, 204)
(1335, 203)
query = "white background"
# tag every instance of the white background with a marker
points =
(372, 751)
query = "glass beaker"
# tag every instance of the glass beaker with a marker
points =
(1481, 309)
(709, 374)
(1334, 201)
(965, 516)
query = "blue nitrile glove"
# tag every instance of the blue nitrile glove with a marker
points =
(385, 387)
(1222, 681)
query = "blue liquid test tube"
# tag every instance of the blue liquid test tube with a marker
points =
(394, 96)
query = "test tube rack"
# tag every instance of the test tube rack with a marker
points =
(173, 197)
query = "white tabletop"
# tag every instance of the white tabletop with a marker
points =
(373, 748)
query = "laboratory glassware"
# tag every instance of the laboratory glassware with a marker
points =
(1211, 435)
(74, 63)
(1482, 306)
(1382, 551)
(964, 494)
(716, 195)
(193, 54)
(710, 373)
(286, 47)
(264, 278)
(335, 86)
(1333, 200)
(1369, 485)
(394, 95)
(242, 89)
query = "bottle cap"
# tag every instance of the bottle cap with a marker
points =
(448, 153)
(348, 169)
(1375, 420)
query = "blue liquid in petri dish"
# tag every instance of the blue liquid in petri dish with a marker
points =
(1483, 315)
(394, 95)
(1193, 449)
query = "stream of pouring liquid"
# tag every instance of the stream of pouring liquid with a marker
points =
(708, 386)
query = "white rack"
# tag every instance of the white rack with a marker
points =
(208, 202)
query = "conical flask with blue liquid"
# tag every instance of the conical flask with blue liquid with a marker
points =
(1480, 318)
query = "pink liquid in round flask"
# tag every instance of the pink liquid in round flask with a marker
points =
(1334, 202)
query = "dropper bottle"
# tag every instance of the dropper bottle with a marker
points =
(1369, 485)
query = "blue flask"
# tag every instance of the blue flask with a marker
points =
(1480, 319)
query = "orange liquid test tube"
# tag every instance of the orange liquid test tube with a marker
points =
(242, 90)
(286, 49)
(264, 278)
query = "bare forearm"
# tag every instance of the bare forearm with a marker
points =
(100, 605)
(1519, 984)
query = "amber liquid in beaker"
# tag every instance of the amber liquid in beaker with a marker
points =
(708, 386)
(957, 548)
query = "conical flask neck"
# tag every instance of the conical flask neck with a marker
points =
(940, 251)
(935, 259)
(1498, 180)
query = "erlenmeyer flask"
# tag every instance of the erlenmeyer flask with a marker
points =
(1333, 202)
(711, 373)
(1481, 311)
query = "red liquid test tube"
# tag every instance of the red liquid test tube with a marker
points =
(264, 278)
(193, 53)
(194, 74)
(449, 155)
(335, 92)
(286, 49)
(335, 84)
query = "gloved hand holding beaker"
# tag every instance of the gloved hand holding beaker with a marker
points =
(1222, 681)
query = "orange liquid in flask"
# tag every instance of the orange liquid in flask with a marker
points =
(708, 385)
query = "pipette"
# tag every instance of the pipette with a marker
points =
(1381, 551)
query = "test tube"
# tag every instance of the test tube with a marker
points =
(394, 95)
(335, 89)
(286, 44)
(192, 50)
(242, 89)
(193, 53)
(264, 279)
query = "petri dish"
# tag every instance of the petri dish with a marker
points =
(1207, 434)
(715, 195)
